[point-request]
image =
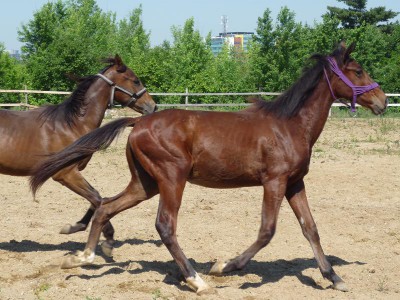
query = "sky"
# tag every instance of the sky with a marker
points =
(160, 15)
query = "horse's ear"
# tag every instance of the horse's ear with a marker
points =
(118, 60)
(342, 46)
(120, 65)
(349, 50)
(339, 51)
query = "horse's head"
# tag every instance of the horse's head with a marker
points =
(127, 89)
(353, 83)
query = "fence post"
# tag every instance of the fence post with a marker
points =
(187, 99)
(26, 95)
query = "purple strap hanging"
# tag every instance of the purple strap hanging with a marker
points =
(357, 89)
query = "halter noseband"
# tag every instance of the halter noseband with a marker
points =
(134, 96)
(357, 89)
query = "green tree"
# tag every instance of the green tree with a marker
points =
(133, 43)
(261, 51)
(159, 70)
(277, 52)
(289, 54)
(387, 69)
(11, 76)
(39, 32)
(76, 45)
(190, 56)
(357, 13)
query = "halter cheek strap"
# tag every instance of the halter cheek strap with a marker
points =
(134, 96)
(357, 89)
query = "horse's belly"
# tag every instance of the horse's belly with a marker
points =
(223, 177)
(14, 161)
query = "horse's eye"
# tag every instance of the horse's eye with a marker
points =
(359, 72)
(136, 81)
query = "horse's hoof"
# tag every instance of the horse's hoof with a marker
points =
(72, 262)
(199, 286)
(218, 268)
(206, 291)
(107, 248)
(68, 229)
(340, 286)
(78, 260)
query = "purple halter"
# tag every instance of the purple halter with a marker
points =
(357, 89)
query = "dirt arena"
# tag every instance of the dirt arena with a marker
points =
(353, 190)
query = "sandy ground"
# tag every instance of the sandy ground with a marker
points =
(353, 191)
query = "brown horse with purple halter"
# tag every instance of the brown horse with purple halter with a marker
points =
(268, 144)
(28, 137)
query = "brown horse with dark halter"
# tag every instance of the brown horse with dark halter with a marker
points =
(268, 144)
(28, 137)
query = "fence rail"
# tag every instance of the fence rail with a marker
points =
(185, 94)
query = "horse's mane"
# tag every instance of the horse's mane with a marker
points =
(289, 102)
(74, 106)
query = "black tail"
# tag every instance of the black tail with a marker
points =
(82, 148)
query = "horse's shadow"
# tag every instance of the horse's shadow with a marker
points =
(70, 246)
(268, 271)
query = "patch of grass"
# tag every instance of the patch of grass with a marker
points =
(157, 295)
(382, 284)
(387, 125)
(90, 298)
(41, 289)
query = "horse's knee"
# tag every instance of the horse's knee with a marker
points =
(165, 231)
(108, 231)
(101, 217)
(266, 234)
(310, 231)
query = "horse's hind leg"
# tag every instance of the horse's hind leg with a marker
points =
(297, 198)
(170, 200)
(130, 197)
(273, 195)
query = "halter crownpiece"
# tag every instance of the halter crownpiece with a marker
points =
(134, 96)
(357, 89)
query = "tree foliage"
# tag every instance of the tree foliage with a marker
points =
(356, 14)
(11, 75)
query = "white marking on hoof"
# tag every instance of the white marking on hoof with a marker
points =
(68, 229)
(198, 285)
(340, 286)
(78, 260)
(217, 268)
(107, 248)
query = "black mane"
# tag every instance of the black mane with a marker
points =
(74, 106)
(289, 102)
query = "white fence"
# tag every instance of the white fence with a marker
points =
(186, 94)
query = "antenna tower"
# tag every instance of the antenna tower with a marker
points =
(224, 22)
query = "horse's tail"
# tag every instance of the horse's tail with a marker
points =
(82, 148)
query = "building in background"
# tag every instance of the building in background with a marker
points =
(239, 40)
(14, 53)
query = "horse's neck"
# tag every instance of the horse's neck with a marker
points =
(314, 114)
(96, 102)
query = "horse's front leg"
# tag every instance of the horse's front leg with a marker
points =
(81, 225)
(274, 191)
(297, 198)
(73, 179)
